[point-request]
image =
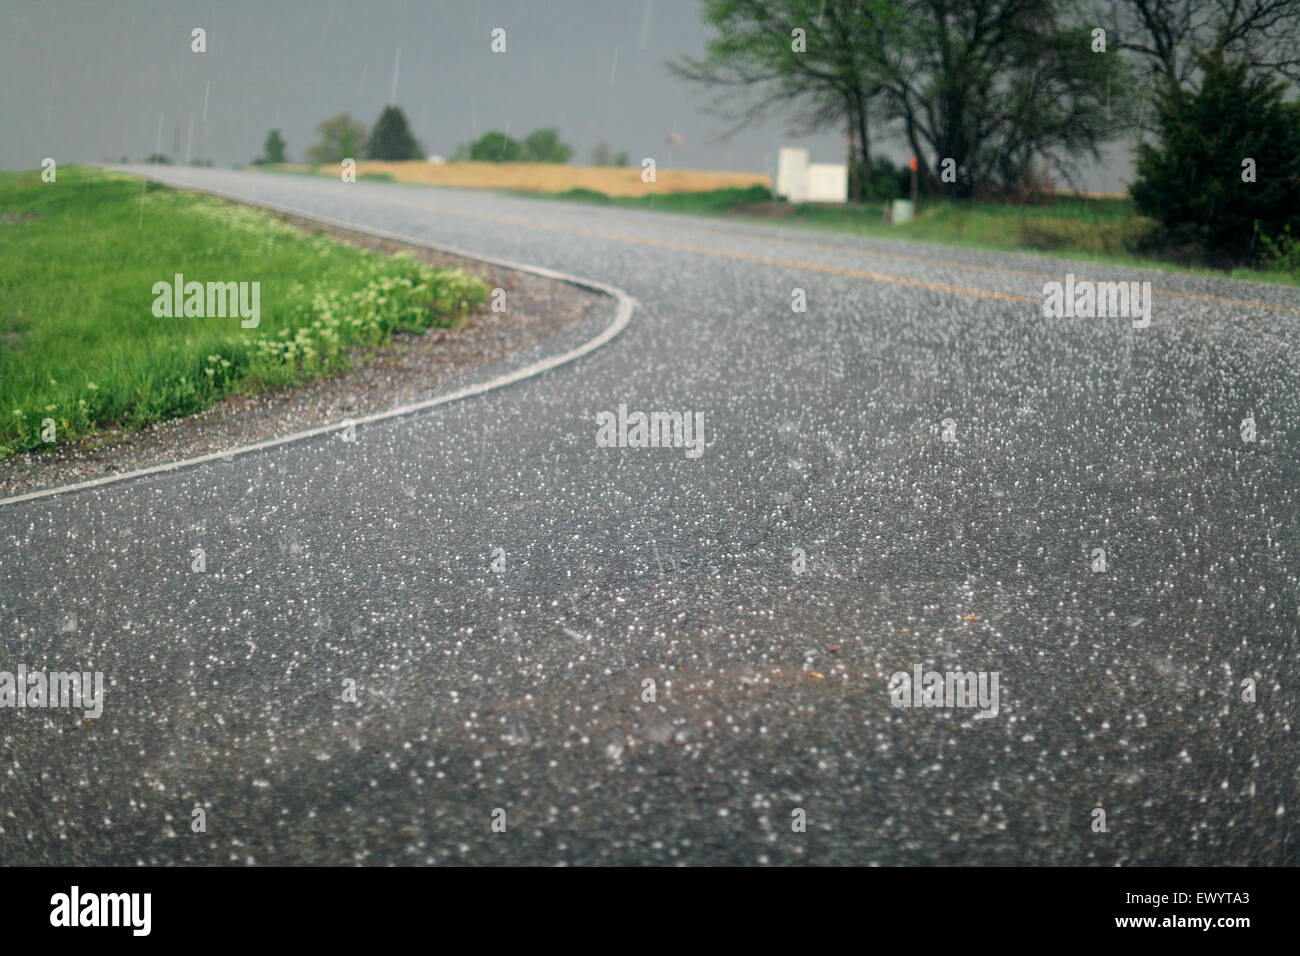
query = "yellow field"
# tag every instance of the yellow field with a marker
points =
(552, 177)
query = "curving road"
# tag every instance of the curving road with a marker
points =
(514, 680)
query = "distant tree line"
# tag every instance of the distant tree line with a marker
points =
(342, 137)
(602, 154)
(539, 146)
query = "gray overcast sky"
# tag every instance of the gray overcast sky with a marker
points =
(86, 80)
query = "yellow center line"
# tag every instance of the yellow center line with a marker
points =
(796, 264)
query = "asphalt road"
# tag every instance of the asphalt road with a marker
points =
(521, 689)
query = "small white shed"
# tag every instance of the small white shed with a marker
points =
(800, 181)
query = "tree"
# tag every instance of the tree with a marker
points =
(495, 147)
(620, 158)
(822, 56)
(544, 146)
(1168, 36)
(987, 88)
(341, 137)
(992, 90)
(1196, 179)
(391, 138)
(273, 150)
(602, 154)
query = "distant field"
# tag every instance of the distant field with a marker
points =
(548, 177)
(82, 348)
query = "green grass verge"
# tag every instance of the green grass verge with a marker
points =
(79, 342)
(1107, 231)
(710, 202)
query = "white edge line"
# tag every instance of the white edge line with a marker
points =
(621, 317)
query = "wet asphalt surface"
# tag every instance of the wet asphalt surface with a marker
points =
(521, 688)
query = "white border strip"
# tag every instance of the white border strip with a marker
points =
(621, 317)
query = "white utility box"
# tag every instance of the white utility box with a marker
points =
(828, 182)
(792, 174)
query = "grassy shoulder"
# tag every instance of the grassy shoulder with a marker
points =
(1102, 230)
(81, 348)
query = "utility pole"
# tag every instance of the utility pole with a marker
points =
(914, 186)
